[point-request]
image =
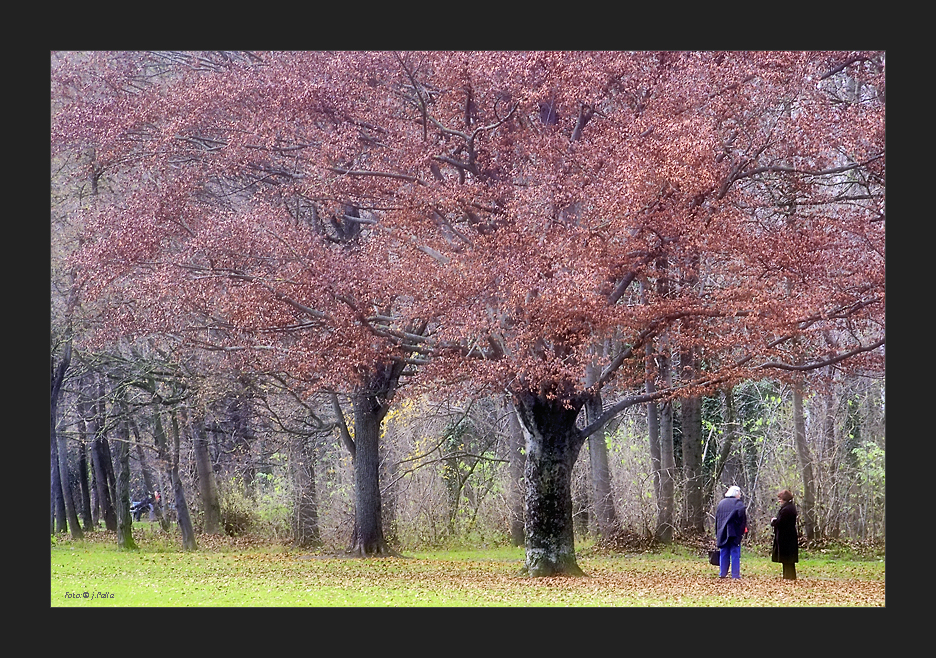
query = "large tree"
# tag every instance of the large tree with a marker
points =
(308, 210)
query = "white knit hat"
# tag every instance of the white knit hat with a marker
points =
(733, 491)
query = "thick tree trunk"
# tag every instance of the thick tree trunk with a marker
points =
(371, 403)
(368, 539)
(807, 508)
(552, 444)
(516, 459)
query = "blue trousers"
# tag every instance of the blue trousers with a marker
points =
(730, 555)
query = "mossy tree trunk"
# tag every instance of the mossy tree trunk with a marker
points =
(552, 445)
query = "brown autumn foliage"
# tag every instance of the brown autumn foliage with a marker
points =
(489, 218)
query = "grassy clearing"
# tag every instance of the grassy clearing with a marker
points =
(248, 573)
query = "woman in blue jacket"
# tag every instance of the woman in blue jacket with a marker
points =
(730, 526)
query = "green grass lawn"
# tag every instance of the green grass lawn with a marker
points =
(95, 572)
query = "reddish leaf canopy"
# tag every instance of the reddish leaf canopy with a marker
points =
(311, 211)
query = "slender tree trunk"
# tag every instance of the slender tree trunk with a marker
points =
(833, 514)
(305, 520)
(666, 519)
(124, 520)
(691, 416)
(387, 478)
(552, 445)
(170, 462)
(59, 518)
(149, 479)
(692, 462)
(58, 377)
(87, 451)
(101, 464)
(730, 424)
(691, 412)
(807, 508)
(85, 488)
(100, 458)
(653, 424)
(178, 492)
(207, 484)
(516, 459)
(107, 458)
(609, 528)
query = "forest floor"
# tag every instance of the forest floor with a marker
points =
(251, 572)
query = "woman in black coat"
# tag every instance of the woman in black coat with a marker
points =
(785, 543)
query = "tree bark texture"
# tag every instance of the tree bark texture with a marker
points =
(85, 485)
(370, 402)
(368, 539)
(58, 442)
(100, 459)
(691, 410)
(207, 484)
(807, 508)
(59, 518)
(101, 464)
(124, 519)
(552, 445)
(305, 519)
(600, 476)
(730, 425)
(178, 492)
(691, 417)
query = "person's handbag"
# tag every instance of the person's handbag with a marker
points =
(713, 557)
